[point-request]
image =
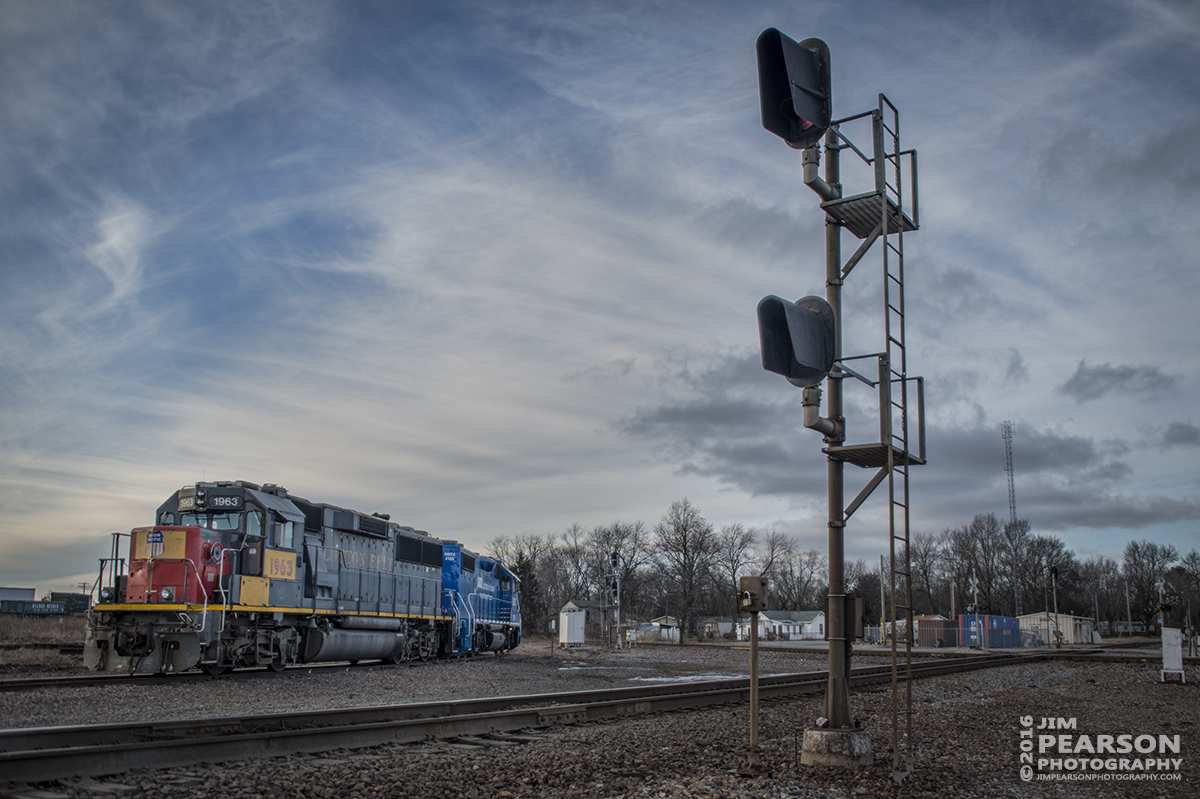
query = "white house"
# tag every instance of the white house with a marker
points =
(716, 627)
(784, 625)
(663, 628)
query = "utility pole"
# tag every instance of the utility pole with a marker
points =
(1128, 610)
(1057, 620)
(954, 618)
(616, 592)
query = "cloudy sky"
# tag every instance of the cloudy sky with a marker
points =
(493, 267)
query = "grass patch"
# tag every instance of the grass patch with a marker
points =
(40, 629)
(46, 629)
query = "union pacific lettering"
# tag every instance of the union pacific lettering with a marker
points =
(361, 560)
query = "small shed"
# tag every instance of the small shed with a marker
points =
(574, 620)
(570, 627)
(1044, 629)
(934, 630)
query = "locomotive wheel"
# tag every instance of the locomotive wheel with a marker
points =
(215, 669)
(277, 665)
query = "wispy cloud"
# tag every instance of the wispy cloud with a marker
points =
(1094, 382)
(493, 267)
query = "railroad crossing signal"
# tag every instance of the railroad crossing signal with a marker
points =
(793, 87)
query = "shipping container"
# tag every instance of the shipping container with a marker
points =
(988, 631)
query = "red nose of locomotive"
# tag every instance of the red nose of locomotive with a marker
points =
(175, 565)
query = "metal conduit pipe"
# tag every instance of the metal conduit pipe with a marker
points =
(812, 162)
(812, 416)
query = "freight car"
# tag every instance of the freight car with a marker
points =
(29, 607)
(234, 575)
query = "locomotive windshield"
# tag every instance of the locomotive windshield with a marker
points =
(217, 520)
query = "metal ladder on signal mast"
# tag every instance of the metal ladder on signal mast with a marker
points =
(873, 216)
(895, 432)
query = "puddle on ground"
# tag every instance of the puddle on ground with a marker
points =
(690, 678)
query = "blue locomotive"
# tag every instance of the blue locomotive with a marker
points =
(236, 575)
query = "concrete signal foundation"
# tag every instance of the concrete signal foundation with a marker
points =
(836, 748)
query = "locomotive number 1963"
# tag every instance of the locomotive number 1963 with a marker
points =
(280, 565)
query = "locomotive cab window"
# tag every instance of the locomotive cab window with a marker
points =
(283, 532)
(225, 521)
(220, 520)
(254, 523)
(167, 519)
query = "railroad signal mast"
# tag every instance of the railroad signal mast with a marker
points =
(802, 341)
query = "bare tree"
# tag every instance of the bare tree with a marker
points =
(576, 561)
(532, 559)
(776, 548)
(730, 561)
(1101, 584)
(926, 554)
(1017, 534)
(686, 546)
(798, 578)
(1145, 564)
(630, 541)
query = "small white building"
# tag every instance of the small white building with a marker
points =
(1044, 629)
(576, 618)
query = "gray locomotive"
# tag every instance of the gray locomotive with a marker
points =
(236, 575)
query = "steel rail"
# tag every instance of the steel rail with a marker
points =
(34, 755)
(156, 678)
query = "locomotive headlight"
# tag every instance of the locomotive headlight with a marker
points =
(106, 594)
(167, 594)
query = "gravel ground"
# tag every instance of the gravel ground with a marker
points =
(967, 731)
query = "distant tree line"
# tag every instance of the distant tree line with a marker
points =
(685, 567)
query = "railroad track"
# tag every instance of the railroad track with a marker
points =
(34, 755)
(86, 680)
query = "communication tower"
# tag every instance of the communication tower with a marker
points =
(1006, 431)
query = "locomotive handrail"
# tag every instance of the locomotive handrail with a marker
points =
(226, 591)
(492, 605)
(458, 599)
(203, 593)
